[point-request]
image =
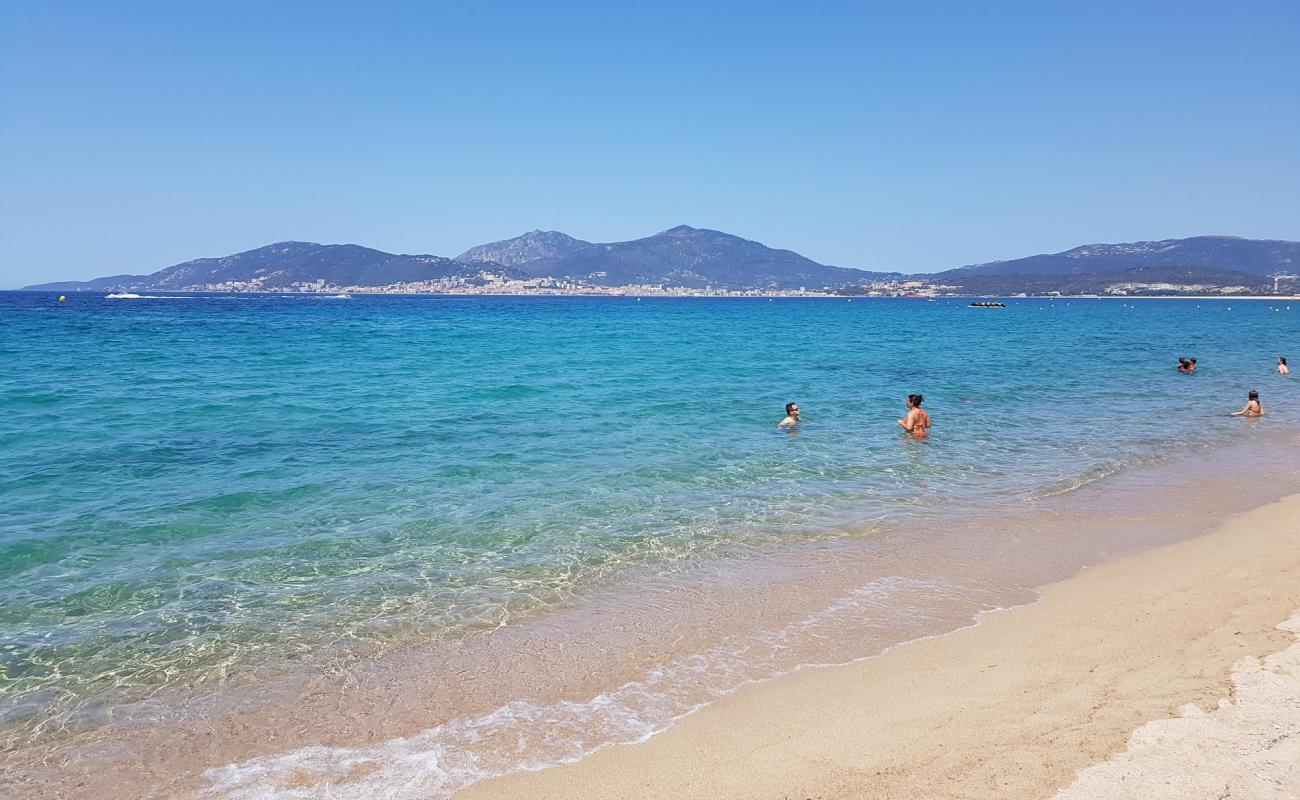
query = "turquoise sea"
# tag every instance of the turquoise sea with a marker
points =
(195, 488)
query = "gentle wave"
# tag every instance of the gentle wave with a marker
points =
(527, 736)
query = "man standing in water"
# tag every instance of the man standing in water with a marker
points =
(917, 421)
(791, 416)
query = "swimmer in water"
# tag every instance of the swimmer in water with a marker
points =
(1282, 368)
(917, 421)
(1191, 365)
(791, 416)
(1252, 407)
(1182, 364)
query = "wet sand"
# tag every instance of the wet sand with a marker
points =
(1016, 706)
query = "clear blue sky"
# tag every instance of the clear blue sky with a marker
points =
(138, 135)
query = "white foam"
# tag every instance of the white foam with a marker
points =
(523, 735)
(133, 296)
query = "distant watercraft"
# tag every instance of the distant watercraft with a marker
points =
(134, 296)
(987, 304)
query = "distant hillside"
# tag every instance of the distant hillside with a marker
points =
(286, 263)
(696, 257)
(106, 284)
(1224, 253)
(682, 256)
(531, 248)
(1139, 280)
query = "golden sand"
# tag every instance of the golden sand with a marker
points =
(1018, 705)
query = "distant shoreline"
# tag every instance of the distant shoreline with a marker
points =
(657, 296)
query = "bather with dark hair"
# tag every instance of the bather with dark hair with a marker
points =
(1253, 408)
(791, 416)
(917, 422)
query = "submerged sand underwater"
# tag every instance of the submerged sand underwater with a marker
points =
(1019, 701)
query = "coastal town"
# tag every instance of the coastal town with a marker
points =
(489, 283)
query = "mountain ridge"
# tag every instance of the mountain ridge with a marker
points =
(1261, 257)
(696, 258)
(681, 256)
(527, 248)
(284, 264)
(700, 258)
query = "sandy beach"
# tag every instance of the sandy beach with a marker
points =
(1018, 705)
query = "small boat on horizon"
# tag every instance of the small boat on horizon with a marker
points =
(987, 304)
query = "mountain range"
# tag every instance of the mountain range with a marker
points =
(286, 263)
(698, 258)
(1199, 261)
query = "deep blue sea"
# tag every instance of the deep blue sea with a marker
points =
(195, 486)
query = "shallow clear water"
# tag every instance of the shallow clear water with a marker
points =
(195, 487)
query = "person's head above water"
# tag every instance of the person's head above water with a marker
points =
(791, 416)
(1281, 360)
(1182, 360)
(1253, 395)
(915, 400)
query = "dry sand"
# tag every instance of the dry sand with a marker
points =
(1248, 747)
(1018, 705)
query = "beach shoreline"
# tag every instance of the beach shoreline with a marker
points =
(1012, 707)
(379, 292)
(274, 740)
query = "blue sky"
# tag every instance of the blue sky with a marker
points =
(138, 135)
